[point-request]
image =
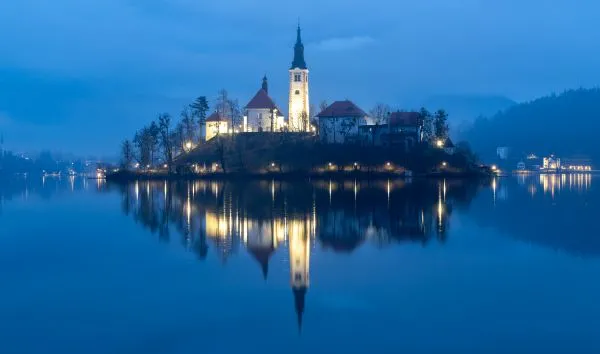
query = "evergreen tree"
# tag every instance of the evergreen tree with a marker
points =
(440, 124)
(200, 110)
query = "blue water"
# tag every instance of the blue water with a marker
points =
(508, 266)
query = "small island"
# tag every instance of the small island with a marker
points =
(259, 140)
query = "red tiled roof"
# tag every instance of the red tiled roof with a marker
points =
(216, 117)
(262, 101)
(342, 109)
(405, 118)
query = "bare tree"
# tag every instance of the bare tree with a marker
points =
(235, 114)
(346, 126)
(189, 124)
(273, 119)
(127, 154)
(144, 144)
(153, 141)
(222, 103)
(323, 105)
(304, 121)
(221, 151)
(380, 114)
(166, 138)
(427, 122)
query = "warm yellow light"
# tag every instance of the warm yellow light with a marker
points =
(272, 164)
(439, 143)
(388, 164)
(494, 167)
(188, 145)
(444, 164)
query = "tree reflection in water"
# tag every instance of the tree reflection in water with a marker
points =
(265, 216)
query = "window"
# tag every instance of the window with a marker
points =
(297, 277)
(297, 77)
(297, 92)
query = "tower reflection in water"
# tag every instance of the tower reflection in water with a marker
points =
(264, 217)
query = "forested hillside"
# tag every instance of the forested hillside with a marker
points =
(566, 124)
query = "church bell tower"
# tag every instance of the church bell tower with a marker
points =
(298, 119)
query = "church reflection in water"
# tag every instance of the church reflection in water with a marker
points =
(265, 217)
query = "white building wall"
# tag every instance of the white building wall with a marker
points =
(298, 102)
(336, 130)
(260, 120)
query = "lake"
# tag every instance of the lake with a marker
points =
(510, 265)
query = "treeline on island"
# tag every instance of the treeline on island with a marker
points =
(164, 138)
(166, 146)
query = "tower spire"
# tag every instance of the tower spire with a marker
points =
(299, 62)
(299, 295)
(265, 84)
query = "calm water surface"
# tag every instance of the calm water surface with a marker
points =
(508, 266)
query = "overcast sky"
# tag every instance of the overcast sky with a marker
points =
(81, 75)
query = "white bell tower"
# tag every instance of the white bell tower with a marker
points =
(298, 119)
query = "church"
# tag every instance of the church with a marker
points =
(261, 114)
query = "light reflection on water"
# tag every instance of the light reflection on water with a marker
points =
(306, 224)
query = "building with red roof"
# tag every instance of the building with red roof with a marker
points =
(401, 129)
(261, 113)
(339, 123)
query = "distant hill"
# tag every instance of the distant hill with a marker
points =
(466, 108)
(566, 124)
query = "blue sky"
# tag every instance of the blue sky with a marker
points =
(81, 75)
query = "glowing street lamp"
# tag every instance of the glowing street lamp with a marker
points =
(444, 164)
(188, 145)
(439, 143)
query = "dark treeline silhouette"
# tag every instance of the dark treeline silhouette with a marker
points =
(344, 214)
(565, 124)
(11, 163)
